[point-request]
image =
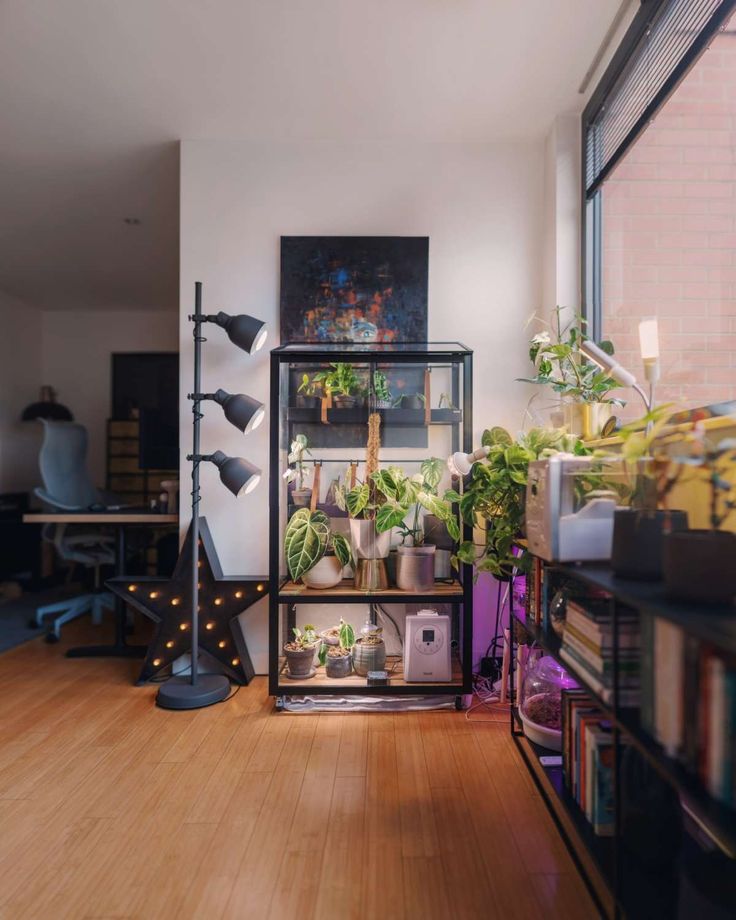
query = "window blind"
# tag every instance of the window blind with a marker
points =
(668, 37)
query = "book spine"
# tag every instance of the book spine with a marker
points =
(647, 673)
(715, 776)
(668, 666)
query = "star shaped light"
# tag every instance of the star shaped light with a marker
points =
(167, 601)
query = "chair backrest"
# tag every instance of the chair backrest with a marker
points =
(63, 464)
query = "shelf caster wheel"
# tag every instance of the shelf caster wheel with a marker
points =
(279, 703)
(51, 638)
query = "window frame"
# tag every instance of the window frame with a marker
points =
(591, 207)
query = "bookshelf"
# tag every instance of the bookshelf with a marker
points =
(615, 880)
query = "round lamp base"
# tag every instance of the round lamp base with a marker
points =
(180, 693)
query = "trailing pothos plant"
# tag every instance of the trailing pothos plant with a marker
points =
(496, 495)
(560, 364)
(308, 538)
(405, 496)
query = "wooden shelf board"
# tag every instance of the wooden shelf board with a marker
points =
(346, 590)
(394, 665)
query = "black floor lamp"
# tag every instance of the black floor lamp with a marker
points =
(237, 474)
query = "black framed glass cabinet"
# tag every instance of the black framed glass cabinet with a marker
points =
(363, 520)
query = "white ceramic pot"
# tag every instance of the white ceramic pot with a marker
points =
(325, 574)
(367, 544)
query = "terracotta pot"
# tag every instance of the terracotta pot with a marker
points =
(700, 566)
(300, 662)
(301, 497)
(339, 667)
(368, 657)
(415, 568)
(638, 541)
(325, 574)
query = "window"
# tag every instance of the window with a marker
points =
(661, 224)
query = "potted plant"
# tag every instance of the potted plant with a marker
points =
(560, 365)
(341, 383)
(639, 529)
(382, 391)
(300, 652)
(494, 500)
(369, 651)
(307, 393)
(361, 501)
(297, 472)
(313, 552)
(337, 657)
(405, 498)
(410, 401)
(699, 565)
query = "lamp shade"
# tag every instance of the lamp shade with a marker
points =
(240, 476)
(460, 463)
(240, 410)
(607, 363)
(649, 338)
(245, 331)
(47, 408)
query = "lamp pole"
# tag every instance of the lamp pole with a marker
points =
(196, 418)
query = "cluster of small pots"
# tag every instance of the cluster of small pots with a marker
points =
(368, 654)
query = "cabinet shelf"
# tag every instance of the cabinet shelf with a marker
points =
(390, 418)
(346, 592)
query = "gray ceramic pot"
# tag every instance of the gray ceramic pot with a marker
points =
(369, 657)
(300, 662)
(415, 568)
(338, 667)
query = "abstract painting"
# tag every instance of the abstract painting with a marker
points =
(354, 288)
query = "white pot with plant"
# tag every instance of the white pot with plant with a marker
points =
(337, 657)
(381, 391)
(313, 552)
(297, 473)
(406, 498)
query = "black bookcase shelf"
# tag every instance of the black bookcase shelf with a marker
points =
(446, 369)
(624, 879)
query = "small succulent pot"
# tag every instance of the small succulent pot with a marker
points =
(339, 663)
(369, 654)
(300, 661)
(344, 402)
(699, 566)
(307, 402)
(325, 574)
(331, 636)
(383, 404)
(301, 497)
(638, 541)
(415, 568)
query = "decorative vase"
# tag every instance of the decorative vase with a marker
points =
(325, 574)
(370, 550)
(338, 665)
(593, 416)
(638, 541)
(415, 568)
(300, 662)
(369, 655)
(699, 566)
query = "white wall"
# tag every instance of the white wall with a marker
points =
(76, 350)
(20, 382)
(481, 206)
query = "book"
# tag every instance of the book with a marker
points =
(602, 811)
(690, 702)
(628, 696)
(668, 675)
(629, 638)
(717, 711)
(628, 662)
(571, 701)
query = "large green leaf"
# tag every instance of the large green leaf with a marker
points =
(357, 499)
(390, 515)
(342, 549)
(495, 437)
(305, 541)
(432, 470)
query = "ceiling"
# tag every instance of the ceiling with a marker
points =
(94, 95)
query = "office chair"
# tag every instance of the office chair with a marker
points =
(68, 487)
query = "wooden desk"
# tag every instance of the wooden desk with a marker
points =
(120, 521)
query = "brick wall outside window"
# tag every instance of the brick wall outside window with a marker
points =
(669, 237)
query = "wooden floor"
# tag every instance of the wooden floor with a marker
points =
(110, 807)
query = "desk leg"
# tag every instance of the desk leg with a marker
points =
(120, 648)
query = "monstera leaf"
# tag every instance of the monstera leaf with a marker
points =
(357, 499)
(432, 470)
(390, 515)
(305, 541)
